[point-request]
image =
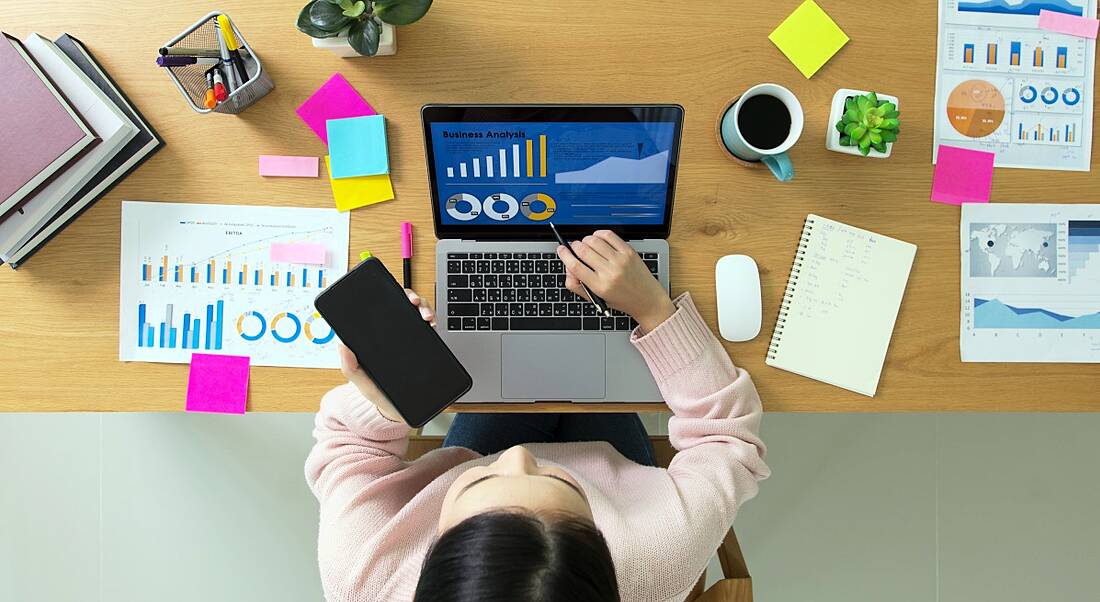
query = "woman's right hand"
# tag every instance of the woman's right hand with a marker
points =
(349, 366)
(612, 269)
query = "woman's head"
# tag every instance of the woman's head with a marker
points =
(514, 480)
(517, 555)
(514, 530)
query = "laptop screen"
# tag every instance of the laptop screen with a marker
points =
(494, 174)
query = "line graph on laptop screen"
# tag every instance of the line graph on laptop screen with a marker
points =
(571, 173)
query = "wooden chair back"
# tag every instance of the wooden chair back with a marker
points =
(735, 584)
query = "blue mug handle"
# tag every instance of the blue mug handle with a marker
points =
(781, 166)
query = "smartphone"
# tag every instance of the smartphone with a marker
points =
(402, 353)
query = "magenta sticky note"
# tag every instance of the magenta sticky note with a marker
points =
(1082, 27)
(336, 99)
(962, 176)
(218, 383)
(289, 167)
(307, 253)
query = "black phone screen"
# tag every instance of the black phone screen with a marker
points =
(401, 352)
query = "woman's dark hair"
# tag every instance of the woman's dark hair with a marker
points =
(519, 556)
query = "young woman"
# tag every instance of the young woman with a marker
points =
(516, 507)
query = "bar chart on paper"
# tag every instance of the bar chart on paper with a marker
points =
(200, 278)
(1005, 86)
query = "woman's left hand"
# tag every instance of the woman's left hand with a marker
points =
(349, 366)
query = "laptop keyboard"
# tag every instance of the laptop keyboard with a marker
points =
(522, 292)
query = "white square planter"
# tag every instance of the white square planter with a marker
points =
(832, 136)
(387, 43)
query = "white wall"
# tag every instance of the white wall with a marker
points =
(934, 507)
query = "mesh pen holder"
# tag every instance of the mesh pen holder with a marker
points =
(202, 40)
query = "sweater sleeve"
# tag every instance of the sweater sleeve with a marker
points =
(355, 446)
(369, 536)
(715, 424)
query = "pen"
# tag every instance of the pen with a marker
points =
(223, 49)
(600, 304)
(187, 51)
(210, 100)
(182, 61)
(232, 45)
(407, 252)
(220, 93)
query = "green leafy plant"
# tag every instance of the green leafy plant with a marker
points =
(362, 19)
(868, 123)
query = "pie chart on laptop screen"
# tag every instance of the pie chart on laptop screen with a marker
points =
(976, 108)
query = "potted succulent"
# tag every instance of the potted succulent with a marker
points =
(863, 123)
(358, 27)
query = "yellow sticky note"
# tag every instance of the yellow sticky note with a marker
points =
(809, 38)
(350, 193)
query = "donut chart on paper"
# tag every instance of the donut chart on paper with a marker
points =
(1071, 96)
(976, 108)
(260, 332)
(290, 337)
(312, 336)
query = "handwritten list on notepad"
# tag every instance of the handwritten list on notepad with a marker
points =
(841, 301)
(830, 272)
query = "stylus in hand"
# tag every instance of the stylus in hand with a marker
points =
(600, 304)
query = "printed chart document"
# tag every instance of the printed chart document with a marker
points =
(199, 278)
(1030, 283)
(1005, 86)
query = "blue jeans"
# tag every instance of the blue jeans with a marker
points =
(492, 433)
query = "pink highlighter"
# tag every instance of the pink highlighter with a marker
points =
(407, 253)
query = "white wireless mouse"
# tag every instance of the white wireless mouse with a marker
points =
(737, 280)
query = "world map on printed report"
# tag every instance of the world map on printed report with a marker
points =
(1013, 250)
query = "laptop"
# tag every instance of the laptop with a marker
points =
(499, 175)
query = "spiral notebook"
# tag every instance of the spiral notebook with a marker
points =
(840, 304)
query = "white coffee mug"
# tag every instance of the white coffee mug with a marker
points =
(775, 158)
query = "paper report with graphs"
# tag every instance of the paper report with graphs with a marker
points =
(1030, 283)
(200, 278)
(1007, 87)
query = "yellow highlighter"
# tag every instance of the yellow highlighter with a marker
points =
(233, 47)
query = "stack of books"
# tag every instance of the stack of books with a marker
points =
(67, 136)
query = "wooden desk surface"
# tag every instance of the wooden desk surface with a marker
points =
(59, 330)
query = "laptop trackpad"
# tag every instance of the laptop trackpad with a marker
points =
(552, 366)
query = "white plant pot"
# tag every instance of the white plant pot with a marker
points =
(387, 43)
(832, 136)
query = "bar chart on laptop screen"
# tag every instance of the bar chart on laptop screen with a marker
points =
(200, 278)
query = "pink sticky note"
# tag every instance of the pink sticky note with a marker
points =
(962, 176)
(308, 253)
(289, 167)
(1082, 27)
(336, 99)
(217, 383)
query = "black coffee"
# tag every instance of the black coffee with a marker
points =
(764, 121)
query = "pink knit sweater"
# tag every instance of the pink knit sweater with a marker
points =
(379, 513)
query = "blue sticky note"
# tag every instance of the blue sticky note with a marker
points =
(357, 146)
